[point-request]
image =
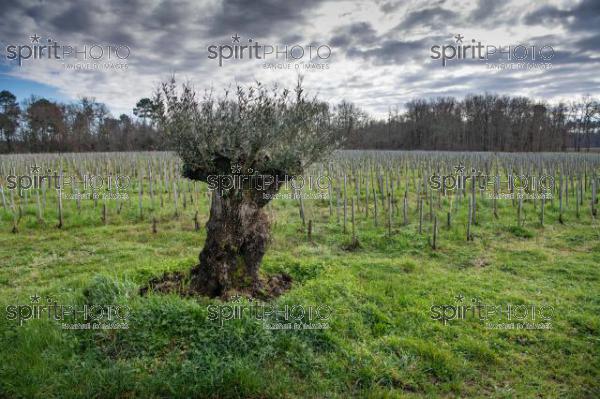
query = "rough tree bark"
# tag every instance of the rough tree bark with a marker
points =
(236, 241)
(237, 234)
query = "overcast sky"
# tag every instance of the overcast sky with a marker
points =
(380, 51)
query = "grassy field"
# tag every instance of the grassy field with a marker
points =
(382, 339)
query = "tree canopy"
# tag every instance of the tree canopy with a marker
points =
(266, 131)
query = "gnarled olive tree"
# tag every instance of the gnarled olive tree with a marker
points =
(253, 133)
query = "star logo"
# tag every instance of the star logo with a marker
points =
(236, 168)
(459, 38)
(35, 169)
(35, 38)
(236, 38)
(460, 297)
(35, 298)
(460, 169)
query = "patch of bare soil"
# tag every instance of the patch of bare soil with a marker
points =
(480, 262)
(353, 245)
(177, 282)
(169, 282)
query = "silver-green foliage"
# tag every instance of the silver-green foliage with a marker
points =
(265, 131)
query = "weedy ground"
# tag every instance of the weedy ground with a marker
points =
(382, 340)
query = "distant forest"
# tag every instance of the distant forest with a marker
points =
(485, 122)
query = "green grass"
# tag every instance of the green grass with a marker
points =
(382, 341)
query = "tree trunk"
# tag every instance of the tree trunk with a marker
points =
(236, 241)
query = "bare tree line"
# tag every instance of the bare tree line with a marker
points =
(485, 122)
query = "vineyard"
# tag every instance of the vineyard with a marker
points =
(390, 190)
(380, 237)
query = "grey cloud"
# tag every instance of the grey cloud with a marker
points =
(121, 37)
(258, 18)
(392, 51)
(172, 16)
(357, 33)
(389, 6)
(586, 16)
(130, 10)
(361, 41)
(486, 10)
(77, 18)
(340, 41)
(589, 43)
(429, 17)
(570, 57)
(363, 32)
(169, 14)
(35, 12)
(292, 38)
(545, 14)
